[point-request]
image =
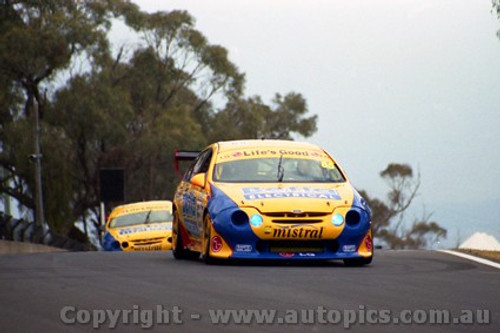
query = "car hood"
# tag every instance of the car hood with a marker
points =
(289, 197)
(140, 231)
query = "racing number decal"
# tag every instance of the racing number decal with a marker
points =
(216, 244)
(327, 165)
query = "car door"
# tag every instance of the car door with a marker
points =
(195, 197)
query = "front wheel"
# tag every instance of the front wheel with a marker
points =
(358, 261)
(178, 249)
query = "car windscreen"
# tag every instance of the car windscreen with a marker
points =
(272, 170)
(151, 216)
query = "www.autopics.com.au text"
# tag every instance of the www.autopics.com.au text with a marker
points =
(160, 315)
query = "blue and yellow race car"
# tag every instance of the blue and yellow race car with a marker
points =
(140, 226)
(269, 199)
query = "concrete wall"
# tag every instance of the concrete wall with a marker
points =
(7, 246)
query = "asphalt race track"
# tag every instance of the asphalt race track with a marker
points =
(410, 291)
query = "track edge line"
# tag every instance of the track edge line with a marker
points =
(473, 258)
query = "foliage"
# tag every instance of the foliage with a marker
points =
(496, 10)
(37, 40)
(388, 217)
(129, 109)
(243, 118)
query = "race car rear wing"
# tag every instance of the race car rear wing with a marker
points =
(183, 155)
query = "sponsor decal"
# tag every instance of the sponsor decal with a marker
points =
(190, 206)
(257, 193)
(298, 231)
(216, 244)
(248, 153)
(192, 212)
(143, 228)
(243, 248)
(286, 254)
(307, 254)
(191, 227)
(144, 209)
(155, 247)
(349, 248)
(368, 243)
(267, 230)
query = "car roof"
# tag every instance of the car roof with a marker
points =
(142, 205)
(148, 203)
(265, 143)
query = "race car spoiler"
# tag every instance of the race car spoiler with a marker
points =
(183, 155)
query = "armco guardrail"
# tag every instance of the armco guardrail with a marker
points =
(24, 231)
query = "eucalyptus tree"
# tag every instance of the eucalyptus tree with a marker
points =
(39, 40)
(172, 79)
(496, 10)
(389, 222)
(252, 118)
(125, 108)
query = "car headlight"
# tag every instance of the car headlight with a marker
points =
(256, 220)
(337, 220)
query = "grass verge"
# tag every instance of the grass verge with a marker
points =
(490, 255)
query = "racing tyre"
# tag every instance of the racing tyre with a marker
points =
(358, 261)
(178, 249)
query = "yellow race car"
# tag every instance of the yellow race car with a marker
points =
(269, 199)
(141, 226)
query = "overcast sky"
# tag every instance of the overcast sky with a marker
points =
(406, 81)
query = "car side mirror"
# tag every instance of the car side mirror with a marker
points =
(198, 180)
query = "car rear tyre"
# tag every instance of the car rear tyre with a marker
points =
(178, 249)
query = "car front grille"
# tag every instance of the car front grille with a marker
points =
(288, 217)
(296, 221)
(146, 241)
